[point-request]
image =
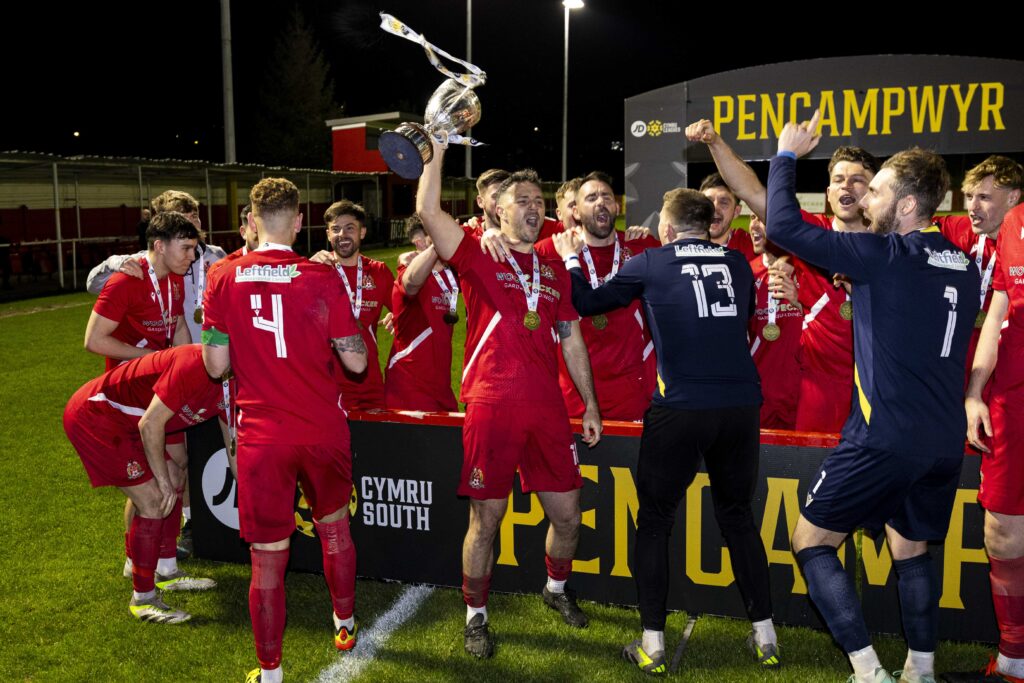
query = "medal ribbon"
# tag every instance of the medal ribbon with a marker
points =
(450, 290)
(225, 385)
(594, 284)
(165, 313)
(986, 272)
(475, 76)
(201, 284)
(773, 303)
(354, 300)
(532, 293)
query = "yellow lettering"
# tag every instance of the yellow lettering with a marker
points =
(626, 506)
(991, 104)
(775, 115)
(804, 97)
(963, 104)
(744, 116)
(507, 534)
(827, 107)
(723, 111)
(927, 105)
(954, 554)
(694, 496)
(892, 106)
(877, 564)
(782, 493)
(860, 115)
(589, 520)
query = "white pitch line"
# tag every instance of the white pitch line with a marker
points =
(44, 309)
(370, 640)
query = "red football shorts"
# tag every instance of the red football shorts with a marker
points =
(400, 394)
(500, 438)
(824, 402)
(267, 474)
(108, 443)
(1002, 470)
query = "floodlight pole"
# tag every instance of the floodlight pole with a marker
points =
(229, 94)
(469, 58)
(569, 5)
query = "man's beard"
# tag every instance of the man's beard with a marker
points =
(599, 231)
(340, 250)
(886, 223)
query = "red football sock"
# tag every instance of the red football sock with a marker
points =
(339, 565)
(169, 532)
(127, 546)
(475, 590)
(266, 604)
(144, 540)
(559, 568)
(1007, 578)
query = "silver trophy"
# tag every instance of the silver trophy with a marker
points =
(452, 110)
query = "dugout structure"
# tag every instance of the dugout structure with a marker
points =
(408, 525)
(883, 103)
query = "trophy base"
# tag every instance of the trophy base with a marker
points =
(406, 149)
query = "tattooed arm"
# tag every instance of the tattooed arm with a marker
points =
(352, 352)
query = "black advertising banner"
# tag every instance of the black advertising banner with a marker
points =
(883, 103)
(408, 526)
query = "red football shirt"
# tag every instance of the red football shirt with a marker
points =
(506, 361)
(741, 242)
(621, 352)
(777, 361)
(133, 304)
(366, 391)
(233, 256)
(419, 372)
(176, 375)
(1009, 278)
(280, 312)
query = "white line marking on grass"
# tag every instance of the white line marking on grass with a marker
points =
(41, 309)
(371, 639)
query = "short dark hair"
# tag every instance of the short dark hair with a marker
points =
(599, 176)
(174, 200)
(244, 213)
(490, 177)
(716, 180)
(921, 173)
(690, 208)
(272, 195)
(526, 175)
(170, 225)
(857, 155)
(345, 207)
(413, 224)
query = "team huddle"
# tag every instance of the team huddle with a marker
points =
(871, 321)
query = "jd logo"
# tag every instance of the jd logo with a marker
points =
(220, 490)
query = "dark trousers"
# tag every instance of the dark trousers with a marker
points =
(672, 446)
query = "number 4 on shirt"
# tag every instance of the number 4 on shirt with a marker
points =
(274, 324)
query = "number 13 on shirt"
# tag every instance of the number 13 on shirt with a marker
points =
(707, 270)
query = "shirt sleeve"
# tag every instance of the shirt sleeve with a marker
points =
(213, 302)
(566, 311)
(99, 275)
(998, 277)
(857, 255)
(183, 377)
(115, 301)
(626, 286)
(387, 279)
(341, 322)
(467, 251)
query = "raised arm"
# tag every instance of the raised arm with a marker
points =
(736, 173)
(442, 228)
(418, 270)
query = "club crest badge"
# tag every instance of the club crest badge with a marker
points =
(134, 470)
(476, 478)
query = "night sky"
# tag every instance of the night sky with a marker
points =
(144, 78)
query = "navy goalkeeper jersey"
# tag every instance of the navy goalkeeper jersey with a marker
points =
(698, 297)
(915, 299)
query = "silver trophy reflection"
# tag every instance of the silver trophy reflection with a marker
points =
(452, 110)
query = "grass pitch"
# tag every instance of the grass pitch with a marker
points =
(63, 602)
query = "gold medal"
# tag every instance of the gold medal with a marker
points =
(451, 318)
(980, 320)
(531, 320)
(198, 315)
(234, 448)
(846, 310)
(599, 321)
(771, 332)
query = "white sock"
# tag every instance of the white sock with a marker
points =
(165, 566)
(1010, 666)
(272, 675)
(186, 512)
(473, 611)
(555, 586)
(918, 664)
(128, 563)
(653, 642)
(143, 596)
(764, 633)
(864, 663)
(347, 623)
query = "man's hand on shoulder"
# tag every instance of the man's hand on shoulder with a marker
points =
(567, 243)
(636, 232)
(495, 244)
(325, 257)
(132, 268)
